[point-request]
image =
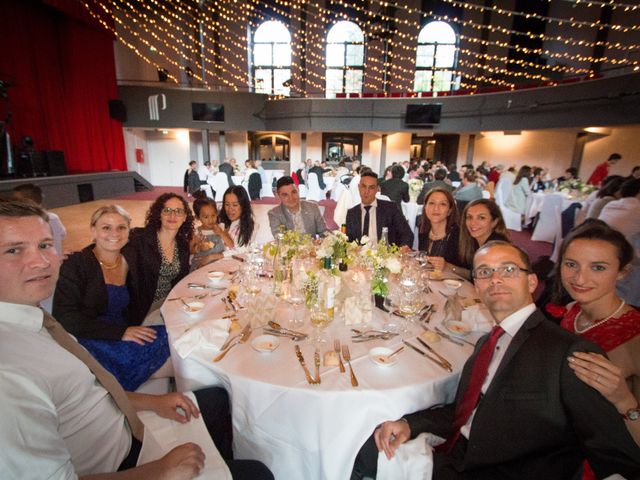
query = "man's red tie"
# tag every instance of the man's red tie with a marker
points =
(472, 393)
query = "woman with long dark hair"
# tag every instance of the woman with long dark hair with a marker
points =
(237, 216)
(593, 257)
(438, 229)
(481, 222)
(162, 249)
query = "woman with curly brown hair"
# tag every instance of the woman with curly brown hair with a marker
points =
(161, 249)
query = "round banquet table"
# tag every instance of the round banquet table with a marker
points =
(311, 431)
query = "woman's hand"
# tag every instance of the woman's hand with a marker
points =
(139, 335)
(437, 262)
(600, 373)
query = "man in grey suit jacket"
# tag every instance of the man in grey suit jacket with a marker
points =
(534, 417)
(293, 213)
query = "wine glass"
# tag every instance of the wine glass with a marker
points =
(319, 319)
(294, 296)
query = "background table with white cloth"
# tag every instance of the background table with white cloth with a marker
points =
(310, 431)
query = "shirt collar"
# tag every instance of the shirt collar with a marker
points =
(374, 204)
(513, 322)
(22, 316)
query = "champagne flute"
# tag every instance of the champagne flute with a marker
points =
(319, 319)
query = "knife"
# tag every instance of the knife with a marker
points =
(442, 359)
(448, 337)
(316, 357)
(425, 354)
(304, 367)
(238, 258)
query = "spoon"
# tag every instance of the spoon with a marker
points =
(395, 352)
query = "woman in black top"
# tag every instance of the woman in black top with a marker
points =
(482, 222)
(161, 250)
(438, 228)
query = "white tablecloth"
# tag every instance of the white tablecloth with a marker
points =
(307, 431)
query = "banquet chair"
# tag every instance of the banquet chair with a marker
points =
(314, 192)
(502, 190)
(557, 242)
(267, 188)
(512, 219)
(302, 190)
(380, 196)
(353, 189)
(547, 225)
(220, 185)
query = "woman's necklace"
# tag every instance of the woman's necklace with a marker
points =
(108, 266)
(600, 322)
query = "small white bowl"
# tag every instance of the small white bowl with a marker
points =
(193, 308)
(380, 356)
(265, 343)
(215, 276)
(458, 328)
(452, 285)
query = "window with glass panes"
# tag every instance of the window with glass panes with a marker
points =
(344, 59)
(436, 58)
(272, 59)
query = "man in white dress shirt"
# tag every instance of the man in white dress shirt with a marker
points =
(58, 421)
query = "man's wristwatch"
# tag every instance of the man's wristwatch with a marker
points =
(632, 414)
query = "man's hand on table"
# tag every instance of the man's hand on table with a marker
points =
(167, 405)
(390, 435)
(182, 463)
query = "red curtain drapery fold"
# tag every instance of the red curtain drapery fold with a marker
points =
(61, 73)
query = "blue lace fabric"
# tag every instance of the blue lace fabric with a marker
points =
(130, 363)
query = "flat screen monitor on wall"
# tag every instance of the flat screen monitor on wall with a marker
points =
(207, 112)
(423, 114)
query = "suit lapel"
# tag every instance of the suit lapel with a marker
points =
(288, 219)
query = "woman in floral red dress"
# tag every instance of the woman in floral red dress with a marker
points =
(592, 258)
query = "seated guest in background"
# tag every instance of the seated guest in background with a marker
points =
(438, 228)
(161, 250)
(64, 416)
(395, 188)
(29, 192)
(355, 167)
(228, 167)
(317, 169)
(469, 190)
(237, 217)
(537, 182)
(623, 214)
(519, 411)
(593, 257)
(293, 213)
(570, 173)
(369, 217)
(210, 239)
(609, 191)
(342, 169)
(482, 222)
(438, 182)
(453, 175)
(192, 178)
(520, 190)
(92, 301)
(602, 170)
(494, 174)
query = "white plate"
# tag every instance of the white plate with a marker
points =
(215, 277)
(193, 308)
(458, 328)
(378, 355)
(265, 343)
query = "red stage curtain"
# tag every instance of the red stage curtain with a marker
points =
(62, 76)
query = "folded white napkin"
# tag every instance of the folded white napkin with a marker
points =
(413, 459)
(478, 318)
(206, 333)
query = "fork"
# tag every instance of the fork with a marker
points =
(347, 356)
(336, 347)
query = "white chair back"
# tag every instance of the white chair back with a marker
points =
(502, 191)
(353, 189)
(513, 220)
(486, 194)
(558, 240)
(314, 192)
(547, 226)
(380, 196)
(267, 182)
(220, 184)
(345, 202)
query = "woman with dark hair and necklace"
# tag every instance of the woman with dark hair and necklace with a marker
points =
(593, 257)
(161, 251)
(237, 216)
(95, 301)
(438, 229)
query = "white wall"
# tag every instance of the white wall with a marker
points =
(135, 138)
(168, 157)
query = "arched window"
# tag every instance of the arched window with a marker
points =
(436, 58)
(272, 58)
(345, 59)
